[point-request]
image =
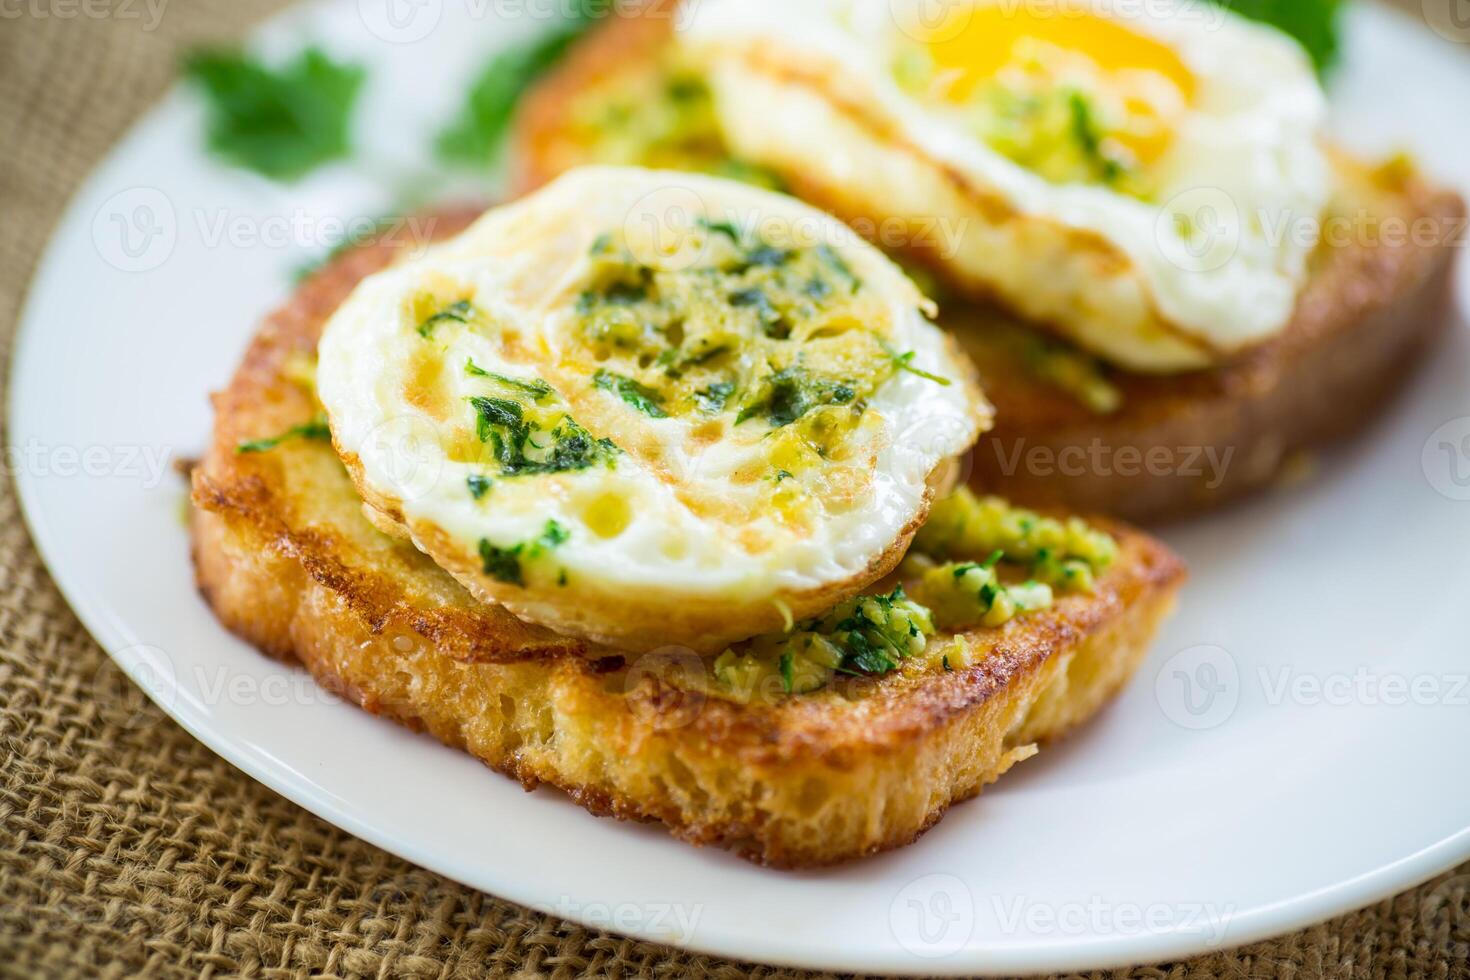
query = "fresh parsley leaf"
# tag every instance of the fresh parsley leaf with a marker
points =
(502, 564)
(904, 362)
(553, 535)
(641, 397)
(538, 390)
(461, 311)
(1314, 23)
(315, 429)
(476, 135)
(725, 228)
(281, 122)
(713, 398)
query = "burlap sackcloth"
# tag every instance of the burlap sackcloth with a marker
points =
(128, 848)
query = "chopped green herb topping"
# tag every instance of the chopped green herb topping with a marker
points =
(502, 564)
(315, 429)
(904, 363)
(668, 337)
(503, 423)
(864, 636)
(279, 122)
(1066, 555)
(506, 564)
(641, 397)
(460, 311)
(479, 485)
(538, 390)
(786, 395)
(711, 400)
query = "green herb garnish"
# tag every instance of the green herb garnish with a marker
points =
(712, 399)
(786, 395)
(460, 311)
(503, 423)
(282, 122)
(539, 390)
(904, 362)
(640, 396)
(476, 135)
(315, 429)
(504, 564)
(479, 485)
(1314, 23)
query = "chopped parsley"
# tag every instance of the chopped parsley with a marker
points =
(460, 311)
(712, 398)
(725, 228)
(502, 564)
(315, 429)
(279, 122)
(865, 636)
(786, 395)
(503, 423)
(904, 362)
(538, 390)
(505, 564)
(479, 485)
(640, 396)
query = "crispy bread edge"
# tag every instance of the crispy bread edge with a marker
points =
(801, 783)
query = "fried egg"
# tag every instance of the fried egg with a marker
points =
(649, 408)
(1133, 175)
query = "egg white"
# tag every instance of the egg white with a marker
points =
(675, 573)
(1207, 266)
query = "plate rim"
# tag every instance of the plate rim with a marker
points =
(1094, 952)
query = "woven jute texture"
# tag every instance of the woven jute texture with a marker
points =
(127, 848)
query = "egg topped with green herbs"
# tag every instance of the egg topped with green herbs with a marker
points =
(649, 408)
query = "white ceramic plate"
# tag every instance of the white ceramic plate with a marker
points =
(1293, 748)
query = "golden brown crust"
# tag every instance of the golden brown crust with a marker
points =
(286, 557)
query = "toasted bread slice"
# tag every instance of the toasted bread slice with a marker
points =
(1167, 445)
(289, 561)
